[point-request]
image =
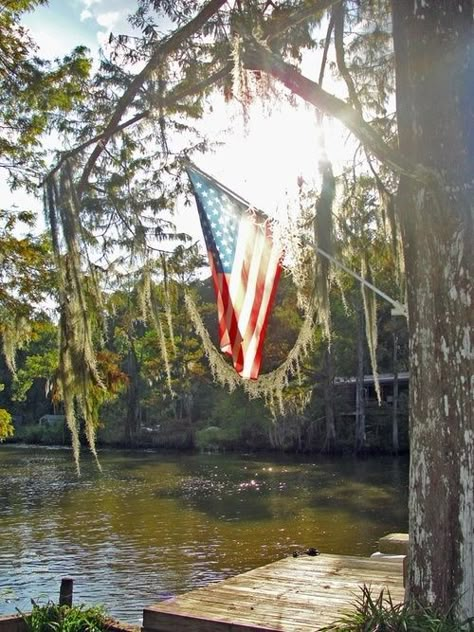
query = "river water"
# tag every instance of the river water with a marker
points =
(153, 525)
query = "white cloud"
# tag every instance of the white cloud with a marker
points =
(85, 14)
(114, 20)
(89, 3)
(54, 42)
(103, 39)
(108, 20)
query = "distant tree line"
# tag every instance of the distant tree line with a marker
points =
(180, 407)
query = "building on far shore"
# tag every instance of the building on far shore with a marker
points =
(381, 420)
(386, 381)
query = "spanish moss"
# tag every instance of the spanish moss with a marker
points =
(80, 384)
(268, 386)
(323, 238)
(370, 311)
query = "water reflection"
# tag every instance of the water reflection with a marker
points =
(154, 525)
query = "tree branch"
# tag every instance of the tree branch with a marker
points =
(327, 41)
(279, 24)
(273, 29)
(338, 16)
(76, 150)
(164, 48)
(258, 57)
(169, 100)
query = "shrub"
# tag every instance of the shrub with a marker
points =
(213, 439)
(6, 426)
(383, 615)
(54, 434)
(54, 618)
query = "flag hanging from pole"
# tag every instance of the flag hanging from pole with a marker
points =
(245, 264)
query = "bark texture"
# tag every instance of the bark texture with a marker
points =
(132, 419)
(395, 441)
(330, 416)
(360, 436)
(435, 71)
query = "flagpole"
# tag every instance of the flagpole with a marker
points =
(399, 308)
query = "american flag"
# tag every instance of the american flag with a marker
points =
(245, 265)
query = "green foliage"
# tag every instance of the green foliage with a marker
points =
(55, 618)
(40, 358)
(214, 439)
(35, 95)
(241, 424)
(46, 434)
(6, 426)
(26, 275)
(383, 615)
(134, 354)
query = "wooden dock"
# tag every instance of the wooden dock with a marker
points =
(291, 595)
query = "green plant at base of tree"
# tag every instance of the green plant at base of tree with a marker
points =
(382, 614)
(54, 618)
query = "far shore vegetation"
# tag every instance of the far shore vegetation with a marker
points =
(342, 414)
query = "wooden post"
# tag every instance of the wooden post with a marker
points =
(65, 592)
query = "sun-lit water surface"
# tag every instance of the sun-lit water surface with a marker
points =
(154, 525)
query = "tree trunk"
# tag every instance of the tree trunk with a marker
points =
(435, 70)
(330, 439)
(360, 393)
(395, 442)
(132, 419)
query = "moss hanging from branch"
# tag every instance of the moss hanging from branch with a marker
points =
(168, 303)
(222, 373)
(323, 237)
(147, 298)
(164, 352)
(392, 229)
(370, 311)
(15, 332)
(80, 384)
(144, 294)
(240, 79)
(269, 386)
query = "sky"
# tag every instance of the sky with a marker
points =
(63, 24)
(261, 162)
(58, 28)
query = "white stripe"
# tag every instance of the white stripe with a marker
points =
(243, 237)
(250, 290)
(251, 347)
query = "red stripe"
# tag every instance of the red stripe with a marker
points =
(224, 339)
(258, 356)
(231, 322)
(259, 291)
(229, 335)
(238, 300)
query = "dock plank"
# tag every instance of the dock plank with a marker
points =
(290, 595)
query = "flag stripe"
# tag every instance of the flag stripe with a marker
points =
(224, 338)
(254, 350)
(257, 245)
